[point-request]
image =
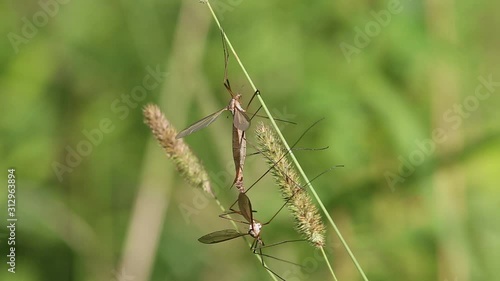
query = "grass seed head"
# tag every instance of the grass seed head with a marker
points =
(307, 218)
(188, 165)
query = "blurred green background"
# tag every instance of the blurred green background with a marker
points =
(387, 76)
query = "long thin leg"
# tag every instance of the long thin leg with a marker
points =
(299, 189)
(294, 149)
(255, 113)
(286, 153)
(279, 259)
(231, 219)
(283, 156)
(275, 119)
(282, 206)
(224, 216)
(262, 116)
(257, 92)
(262, 176)
(265, 266)
(283, 242)
(226, 58)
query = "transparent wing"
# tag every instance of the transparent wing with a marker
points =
(200, 124)
(220, 236)
(241, 120)
(245, 207)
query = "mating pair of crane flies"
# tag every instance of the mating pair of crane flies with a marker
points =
(241, 122)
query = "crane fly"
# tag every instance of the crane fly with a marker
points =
(254, 230)
(241, 122)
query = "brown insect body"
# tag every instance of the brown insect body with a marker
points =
(239, 155)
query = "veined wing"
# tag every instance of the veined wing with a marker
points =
(241, 120)
(220, 236)
(245, 207)
(200, 124)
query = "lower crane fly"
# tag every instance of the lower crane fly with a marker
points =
(255, 229)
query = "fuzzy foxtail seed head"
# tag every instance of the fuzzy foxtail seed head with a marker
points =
(307, 218)
(188, 165)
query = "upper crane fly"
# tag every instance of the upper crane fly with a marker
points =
(241, 122)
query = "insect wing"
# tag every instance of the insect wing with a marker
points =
(220, 236)
(200, 124)
(241, 120)
(245, 207)
(239, 155)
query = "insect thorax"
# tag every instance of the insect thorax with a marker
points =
(232, 105)
(254, 230)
